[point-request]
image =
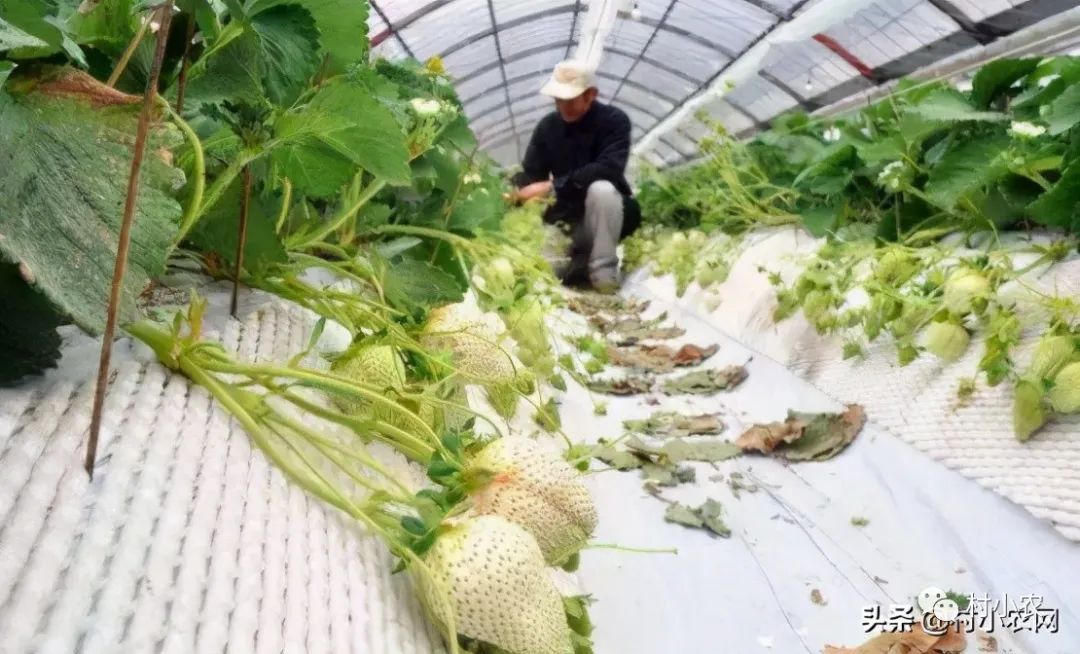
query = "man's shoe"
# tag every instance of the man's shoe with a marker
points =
(606, 288)
(606, 282)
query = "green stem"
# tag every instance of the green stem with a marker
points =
(412, 230)
(325, 444)
(133, 45)
(638, 550)
(192, 212)
(286, 202)
(412, 447)
(221, 184)
(343, 217)
(327, 382)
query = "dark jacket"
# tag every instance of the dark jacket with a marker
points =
(594, 148)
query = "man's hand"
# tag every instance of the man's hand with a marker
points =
(531, 191)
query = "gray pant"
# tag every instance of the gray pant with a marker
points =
(603, 223)
(590, 248)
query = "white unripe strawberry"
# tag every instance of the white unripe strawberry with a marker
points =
(499, 588)
(533, 487)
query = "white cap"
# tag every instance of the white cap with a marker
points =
(570, 79)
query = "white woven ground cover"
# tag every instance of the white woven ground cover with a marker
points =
(188, 539)
(917, 402)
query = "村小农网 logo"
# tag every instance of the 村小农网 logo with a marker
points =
(938, 612)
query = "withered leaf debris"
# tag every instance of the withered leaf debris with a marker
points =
(630, 385)
(916, 641)
(706, 382)
(590, 304)
(658, 359)
(806, 436)
(670, 424)
(707, 516)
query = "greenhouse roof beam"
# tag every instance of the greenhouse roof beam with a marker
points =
(480, 70)
(521, 54)
(1013, 20)
(644, 48)
(502, 70)
(661, 25)
(390, 30)
(843, 90)
(497, 27)
(573, 28)
(928, 54)
(718, 74)
(600, 74)
(764, 5)
(809, 104)
(972, 28)
(994, 27)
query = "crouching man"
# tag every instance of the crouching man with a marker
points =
(578, 153)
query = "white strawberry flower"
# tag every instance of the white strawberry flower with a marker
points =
(425, 107)
(891, 176)
(1026, 130)
(832, 135)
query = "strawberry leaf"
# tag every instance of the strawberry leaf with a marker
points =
(61, 223)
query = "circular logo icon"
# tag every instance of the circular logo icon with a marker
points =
(946, 610)
(929, 597)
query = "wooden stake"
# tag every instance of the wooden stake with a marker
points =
(165, 14)
(245, 201)
(181, 82)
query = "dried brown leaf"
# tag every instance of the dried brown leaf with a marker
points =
(621, 386)
(916, 641)
(806, 436)
(706, 382)
(669, 424)
(658, 358)
(590, 304)
(765, 438)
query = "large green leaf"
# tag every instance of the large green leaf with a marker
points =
(108, 22)
(478, 209)
(969, 165)
(229, 73)
(343, 120)
(11, 37)
(219, 231)
(5, 69)
(459, 135)
(63, 177)
(39, 19)
(29, 342)
(288, 43)
(316, 169)
(831, 174)
(416, 286)
(887, 149)
(272, 53)
(447, 171)
(994, 78)
(1064, 112)
(950, 106)
(819, 221)
(1060, 206)
(27, 23)
(342, 25)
